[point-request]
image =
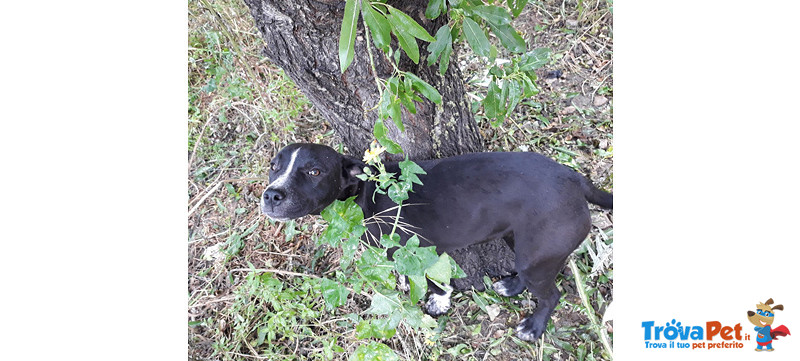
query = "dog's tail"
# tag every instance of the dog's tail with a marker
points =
(597, 196)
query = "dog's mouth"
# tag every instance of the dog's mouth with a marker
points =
(282, 212)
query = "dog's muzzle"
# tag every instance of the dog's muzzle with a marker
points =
(271, 199)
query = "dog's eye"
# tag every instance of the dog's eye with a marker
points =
(273, 166)
(314, 172)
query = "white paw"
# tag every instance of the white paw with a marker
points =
(524, 334)
(500, 288)
(402, 283)
(439, 304)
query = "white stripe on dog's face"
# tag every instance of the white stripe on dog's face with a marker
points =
(281, 180)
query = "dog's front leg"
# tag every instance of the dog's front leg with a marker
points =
(439, 299)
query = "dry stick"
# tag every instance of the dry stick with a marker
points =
(214, 188)
(197, 143)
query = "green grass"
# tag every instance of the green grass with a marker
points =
(242, 109)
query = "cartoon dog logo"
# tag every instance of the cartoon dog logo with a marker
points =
(763, 318)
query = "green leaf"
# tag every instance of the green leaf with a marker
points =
(394, 111)
(509, 37)
(434, 9)
(390, 241)
(456, 269)
(384, 304)
(424, 88)
(405, 24)
(491, 103)
(445, 60)
(514, 95)
(409, 171)
(409, 45)
(333, 293)
(516, 6)
(378, 26)
(436, 47)
(418, 286)
(347, 37)
(380, 134)
(440, 271)
(349, 249)
(377, 328)
(374, 351)
(476, 38)
(534, 59)
(398, 192)
(407, 263)
(480, 301)
(492, 14)
(374, 267)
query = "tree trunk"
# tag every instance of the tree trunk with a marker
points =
(302, 37)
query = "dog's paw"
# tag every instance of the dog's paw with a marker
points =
(402, 283)
(527, 331)
(509, 286)
(438, 305)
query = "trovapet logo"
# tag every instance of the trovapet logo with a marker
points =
(673, 334)
(714, 335)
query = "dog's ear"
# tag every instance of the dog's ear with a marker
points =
(777, 307)
(351, 167)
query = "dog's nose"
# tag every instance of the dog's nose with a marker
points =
(273, 196)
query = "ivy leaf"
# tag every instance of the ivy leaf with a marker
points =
(476, 38)
(418, 286)
(333, 293)
(377, 328)
(347, 36)
(378, 25)
(441, 270)
(398, 192)
(409, 171)
(384, 304)
(390, 241)
(375, 267)
(374, 351)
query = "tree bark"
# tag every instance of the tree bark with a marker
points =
(302, 37)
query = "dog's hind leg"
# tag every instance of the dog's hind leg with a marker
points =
(545, 291)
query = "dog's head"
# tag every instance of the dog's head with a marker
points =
(306, 178)
(765, 314)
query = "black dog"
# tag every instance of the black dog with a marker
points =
(539, 207)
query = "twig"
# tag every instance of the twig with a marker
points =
(214, 189)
